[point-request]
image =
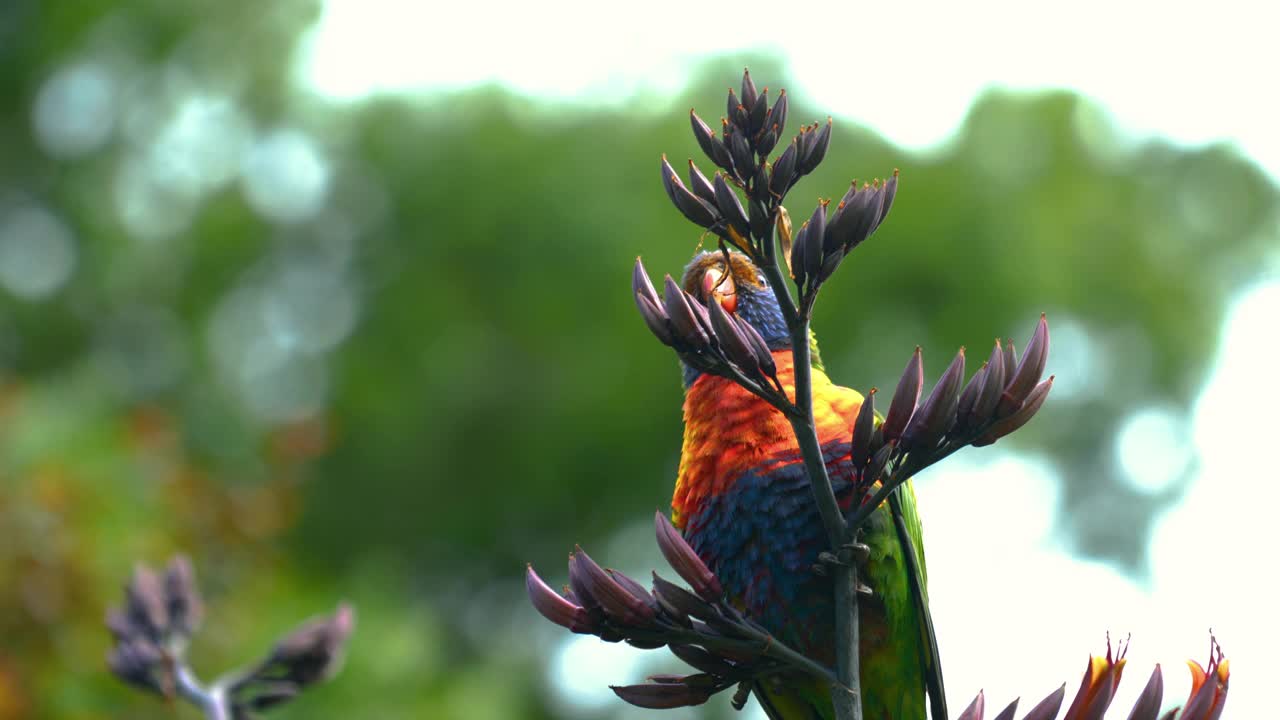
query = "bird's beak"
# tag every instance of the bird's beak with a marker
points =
(719, 286)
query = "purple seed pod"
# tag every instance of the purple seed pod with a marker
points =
(938, 413)
(700, 185)
(864, 427)
(1047, 709)
(784, 171)
(736, 347)
(649, 304)
(702, 660)
(992, 387)
(1008, 712)
(974, 711)
(186, 609)
(1028, 371)
(905, 398)
(748, 88)
(778, 114)
(817, 150)
(618, 604)
(680, 603)
(685, 326)
(554, 606)
(697, 210)
(711, 146)
(661, 696)
(1020, 417)
(730, 206)
(1147, 706)
(757, 111)
(682, 558)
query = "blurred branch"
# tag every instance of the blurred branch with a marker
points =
(159, 617)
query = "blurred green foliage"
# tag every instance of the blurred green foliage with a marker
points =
(387, 353)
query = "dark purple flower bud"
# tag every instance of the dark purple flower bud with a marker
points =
(146, 605)
(736, 113)
(778, 114)
(711, 146)
(702, 660)
(855, 217)
(974, 711)
(119, 625)
(764, 356)
(700, 185)
(730, 206)
(760, 185)
(618, 604)
(969, 398)
(685, 326)
(697, 210)
(645, 644)
(661, 696)
(1047, 709)
(554, 606)
(141, 664)
(813, 255)
(685, 561)
(649, 304)
(748, 88)
(633, 587)
(864, 427)
(757, 111)
(768, 140)
(1020, 417)
(890, 191)
(784, 171)
(680, 603)
(1148, 705)
(1028, 372)
(804, 142)
(1010, 360)
(992, 387)
(758, 217)
(314, 651)
(816, 151)
(905, 398)
(829, 265)
(740, 151)
(879, 461)
(186, 609)
(1008, 712)
(799, 251)
(938, 414)
(656, 319)
(736, 347)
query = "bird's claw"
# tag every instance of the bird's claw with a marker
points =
(857, 552)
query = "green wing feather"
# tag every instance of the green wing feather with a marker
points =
(910, 533)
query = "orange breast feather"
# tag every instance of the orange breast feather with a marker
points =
(728, 431)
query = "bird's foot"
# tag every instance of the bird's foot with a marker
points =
(853, 554)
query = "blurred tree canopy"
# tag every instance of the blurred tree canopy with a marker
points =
(387, 352)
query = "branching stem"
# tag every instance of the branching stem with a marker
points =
(213, 701)
(846, 694)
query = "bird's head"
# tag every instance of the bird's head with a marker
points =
(741, 289)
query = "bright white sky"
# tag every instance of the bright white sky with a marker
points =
(1014, 610)
(1190, 72)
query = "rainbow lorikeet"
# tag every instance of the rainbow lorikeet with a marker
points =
(744, 503)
